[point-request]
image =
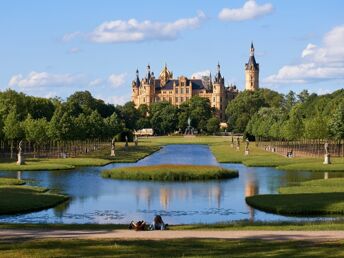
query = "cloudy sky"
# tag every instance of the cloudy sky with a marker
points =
(53, 48)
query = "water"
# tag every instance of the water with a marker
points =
(98, 200)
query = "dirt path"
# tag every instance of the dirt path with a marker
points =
(14, 234)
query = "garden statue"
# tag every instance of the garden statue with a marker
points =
(327, 156)
(189, 130)
(246, 146)
(232, 143)
(20, 160)
(126, 142)
(238, 144)
(136, 140)
(113, 147)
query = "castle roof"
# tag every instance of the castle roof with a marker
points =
(252, 62)
(197, 84)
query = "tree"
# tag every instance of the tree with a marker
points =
(303, 96)
(336, 124)
(316, 128)
(35, 131)
(289, 100)
(12, 129)
(213, 125)
(163, 118)
(130, 115)
(294, 126)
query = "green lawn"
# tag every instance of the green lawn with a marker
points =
(316, 197)
(16, 198)
(170, 173)
(171, 248)
(11, 181)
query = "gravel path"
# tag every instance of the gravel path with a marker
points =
(15, 234)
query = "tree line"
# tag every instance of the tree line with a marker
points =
(82, 117)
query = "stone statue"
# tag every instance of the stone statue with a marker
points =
(238, 144)
(247, 143)
(113, 147)
(20, 160)
(189, 121)
(136, 140)
(126, 142)
(327, 156)
(326, 148)
(232, 142)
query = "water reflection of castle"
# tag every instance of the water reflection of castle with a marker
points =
(166, 195)
(251, 188)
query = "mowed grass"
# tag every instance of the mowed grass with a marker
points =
(11, 181)
(170, 173)
(316, 197)
(171, 248)
(16, 198)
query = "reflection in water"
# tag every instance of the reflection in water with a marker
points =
(98, 200)
(251, 188)
(19, 175)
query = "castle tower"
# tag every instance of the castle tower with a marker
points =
(135, 89)
(252, 72)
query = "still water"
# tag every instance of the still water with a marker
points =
(98, 200)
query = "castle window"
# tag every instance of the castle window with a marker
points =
(182, 84)
(181, 99)
(214, 99)
(170, 92)
(187, 90)
(170, 99)
(220, 99)
(163, 98)
(187, 98)
(177, 99)
(144, 99)
(176, 90)
(181, 91)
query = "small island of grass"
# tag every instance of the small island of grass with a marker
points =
(170, 173)
(315, 197)
(16, 198)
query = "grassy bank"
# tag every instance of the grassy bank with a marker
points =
(170, 173)
(16, 198)
(171, 248)
(233, 225)
(316, 197)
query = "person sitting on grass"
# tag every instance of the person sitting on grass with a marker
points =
(139, 226)
(158, 223)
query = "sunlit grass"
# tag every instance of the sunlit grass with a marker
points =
(170, 173)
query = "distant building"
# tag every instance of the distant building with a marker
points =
(252, 72)
(151, 89)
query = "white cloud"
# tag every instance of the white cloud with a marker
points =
(117, 80)
(43, 79)
(70, 36)
(199, 75)
(118, 31)
(250, 10)
(317, 63)
(95, 82)
(116, 100)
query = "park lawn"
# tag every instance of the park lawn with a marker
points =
(316, 197)
(11, 181)
(171, 248)
(133, 154)
(34, 165)
(170, 173)
(24, 199)
(315, 165)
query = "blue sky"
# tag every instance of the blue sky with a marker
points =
(53, 48)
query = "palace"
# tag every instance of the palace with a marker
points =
(150, 89)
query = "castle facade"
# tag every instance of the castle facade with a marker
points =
(165, 87)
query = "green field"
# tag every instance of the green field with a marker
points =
(16, 198)
(172, 248)
(316, 197)
(170, 173)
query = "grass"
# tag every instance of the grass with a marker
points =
(11, 181)
(171, 248)
(170, 173)
(316, 197)
(34, 165)
(232, 225)
(16, 198)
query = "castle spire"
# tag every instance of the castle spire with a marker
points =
(137, 78)
(252, 49)
(148, 72)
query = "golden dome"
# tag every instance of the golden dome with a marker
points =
(165, 75)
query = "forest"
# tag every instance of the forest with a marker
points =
(263, 115)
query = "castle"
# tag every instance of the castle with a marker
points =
(176, 91)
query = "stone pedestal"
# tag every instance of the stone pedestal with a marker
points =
(237, 148)
(113, 153)
(232, 145)
(327, 159)
(246, 152)
(20, 160)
